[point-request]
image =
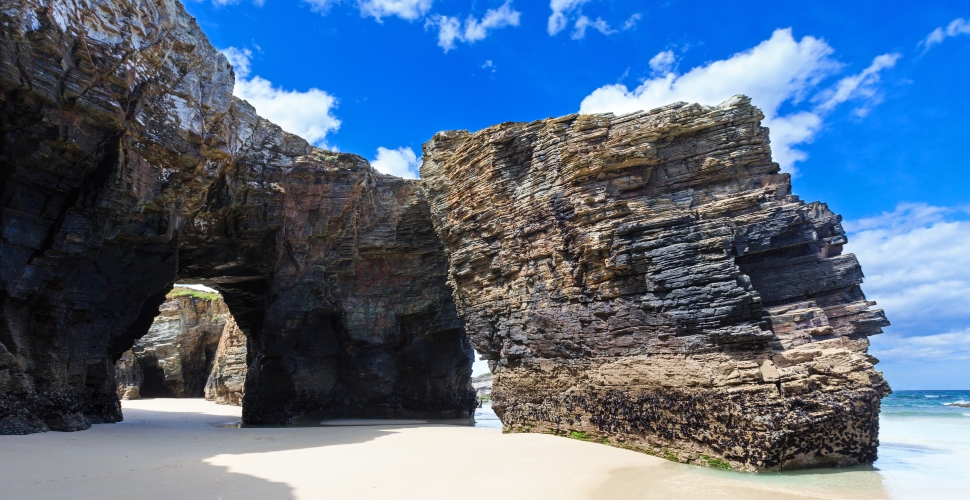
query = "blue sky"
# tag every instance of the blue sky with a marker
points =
(867, 102)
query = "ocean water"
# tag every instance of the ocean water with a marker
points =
(924, 453)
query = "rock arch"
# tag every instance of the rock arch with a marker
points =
(645, 280)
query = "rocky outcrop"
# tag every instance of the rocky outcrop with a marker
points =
(650, 281)
(646, 280)
(226, 383)
(126, 164)
(128, 376)
(176, 355)
(482, 385)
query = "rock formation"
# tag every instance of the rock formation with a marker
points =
(127, 164)
(649, 280)
(176, 355)
(228, 375)
(128, 376)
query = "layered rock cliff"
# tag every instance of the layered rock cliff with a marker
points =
(650, 281)
(175, 357)
(127, 164)
(226, 382)
(646, 280)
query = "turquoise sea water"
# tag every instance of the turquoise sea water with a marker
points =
(924, 452)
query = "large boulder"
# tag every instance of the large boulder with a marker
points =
(650, 281)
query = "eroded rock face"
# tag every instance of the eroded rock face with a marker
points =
(127, 164)
(176, 355)
(128, 376)
(650, 280)
(226, 383)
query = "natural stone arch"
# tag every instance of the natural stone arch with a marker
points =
(648, 280)
(124, 154)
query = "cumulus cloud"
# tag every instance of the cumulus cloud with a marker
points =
(956, 27)
(559, 18)
(584, 22)
(379, 9)
(778, 71)
(450, 29)
(307, 114)
(401, 162)
(917, 265)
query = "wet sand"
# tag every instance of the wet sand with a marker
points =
(176, 448)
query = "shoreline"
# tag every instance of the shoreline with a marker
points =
(181, 447)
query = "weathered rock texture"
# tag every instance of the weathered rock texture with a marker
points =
(125, 164)
(128, 376)
(650, 280)
(178, 352)
(226, 383)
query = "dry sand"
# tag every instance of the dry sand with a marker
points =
(173, 449)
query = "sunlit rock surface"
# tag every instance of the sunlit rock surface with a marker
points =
(226, 382)
(650, 281)
(127, 164)
(176, 355)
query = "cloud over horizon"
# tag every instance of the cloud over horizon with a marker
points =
(916, 261)
(777, 72)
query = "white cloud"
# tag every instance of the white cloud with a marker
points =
(489, 65)
(662, 63)
(307, 114)
(778, 71)
(401, 162)
(916, 260)
(405, 9)
(956, 27)
(450, 28)
(239, 59)
(862, 85)
(560, 11)
(942, 346)
(632, 21)
(584, 22)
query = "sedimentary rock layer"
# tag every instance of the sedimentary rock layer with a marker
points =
(649, 280)
(176, 355)
(226, 382)
(128, 164)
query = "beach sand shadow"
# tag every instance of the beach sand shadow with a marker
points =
(155, 454)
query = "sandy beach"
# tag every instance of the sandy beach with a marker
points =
(182, 448)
